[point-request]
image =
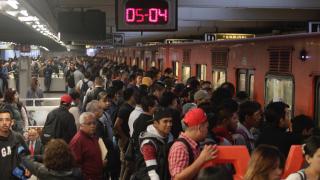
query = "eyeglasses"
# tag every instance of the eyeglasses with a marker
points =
(91, 123)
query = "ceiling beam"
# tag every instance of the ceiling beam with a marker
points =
(233, 14)
(274, 4)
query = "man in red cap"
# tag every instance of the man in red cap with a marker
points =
(60, 123)
(185, 159)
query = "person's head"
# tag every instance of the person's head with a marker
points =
(6, 120)
(133, 79)
(95, 107)
(193, 83)
(201, 96)
(278, 114)
(128, 95)
(196, 123)
(219, 96)
(32, 134)
(10, 96)
(227, 115)
(168, 99)
(34, 83)
(229, 86)
(66, 100)
(302, 125)
(98, 81)
(311, 152)
(104, 101)
(216, 172)
(75, 97)
(146, 81)
(139, 77)
(58, 156)
(88, 123)
(250, 114)
(149, 104)
(87, 75)
(162, 121)
(157, 89)
(72, 66)
(168, 72)
(266, 162)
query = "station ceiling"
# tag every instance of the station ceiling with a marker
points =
(195, 17)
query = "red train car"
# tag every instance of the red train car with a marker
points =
(284, 67)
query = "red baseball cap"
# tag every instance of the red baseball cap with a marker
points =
(66, 98)
(195, 117)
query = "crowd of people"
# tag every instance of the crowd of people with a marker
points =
(121, 122)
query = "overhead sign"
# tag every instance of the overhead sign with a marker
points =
(118, 39)
(146, 15)
(226, 36)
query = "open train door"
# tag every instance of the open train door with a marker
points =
(317, 100)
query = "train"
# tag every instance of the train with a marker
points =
(269, 68)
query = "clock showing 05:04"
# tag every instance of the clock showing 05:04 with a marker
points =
(146, 15)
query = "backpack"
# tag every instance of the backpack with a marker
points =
(51, 129)
(83, 89)
(70, 80)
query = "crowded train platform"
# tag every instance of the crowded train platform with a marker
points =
(159, 90)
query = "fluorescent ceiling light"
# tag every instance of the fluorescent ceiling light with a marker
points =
(24, 12)
(13, 4)
(28, 18)
(29, 23)
(12, 13)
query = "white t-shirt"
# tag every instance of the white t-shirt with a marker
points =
(300, 175)
(133, 117)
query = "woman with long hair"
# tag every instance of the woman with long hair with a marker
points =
(266, 163)
(58, 163)
(311, 152)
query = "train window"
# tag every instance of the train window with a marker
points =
(201, 71)
(133, 62)
(279, 88)
(186, 73)
(153, 64)
(175, 68)
(245, 81)
(218, 77)
(251, 86)
(142, 64)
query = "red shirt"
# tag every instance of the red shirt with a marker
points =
(179, 156)
(87, 154)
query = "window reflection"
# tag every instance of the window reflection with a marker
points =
(218, 77)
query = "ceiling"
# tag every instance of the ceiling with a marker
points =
(195, 17)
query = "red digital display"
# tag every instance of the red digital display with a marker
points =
(146, 12)
(146, 15)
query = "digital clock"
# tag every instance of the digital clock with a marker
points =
(146, 15)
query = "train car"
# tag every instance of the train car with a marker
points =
(283, 67)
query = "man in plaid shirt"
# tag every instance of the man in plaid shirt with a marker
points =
(180, 164)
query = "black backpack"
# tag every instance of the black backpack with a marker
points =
(84, 89)
(51, 129)
(70, 80)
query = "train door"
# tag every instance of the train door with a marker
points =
(317, 101)
(279, 88)
(175, 68)
(201, 71)
(245, 81)
(218, 77)
(186, 73)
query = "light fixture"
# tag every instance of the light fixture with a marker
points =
(12, 13)
(13, 4)
(24, 12)
(28, 18)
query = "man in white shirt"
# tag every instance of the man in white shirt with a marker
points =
(137, 110)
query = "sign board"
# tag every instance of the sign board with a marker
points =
(118, 39)
(146, 15)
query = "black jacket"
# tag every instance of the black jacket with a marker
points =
(277, 137)
(40, 171)
(9, 158)
(65, 124)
